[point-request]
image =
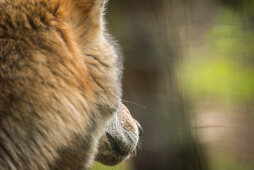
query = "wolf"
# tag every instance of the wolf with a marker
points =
(60, 88)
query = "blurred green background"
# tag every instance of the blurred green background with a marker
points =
(189, 71)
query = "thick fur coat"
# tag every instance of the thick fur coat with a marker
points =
(59, 83)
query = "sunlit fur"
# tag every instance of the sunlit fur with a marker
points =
(59, 84)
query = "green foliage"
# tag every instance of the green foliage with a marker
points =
(225, 71)
(122, 166)
(220, 77)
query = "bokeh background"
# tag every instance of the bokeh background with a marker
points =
(189, 80)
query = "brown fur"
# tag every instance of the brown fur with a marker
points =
(59, 83)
